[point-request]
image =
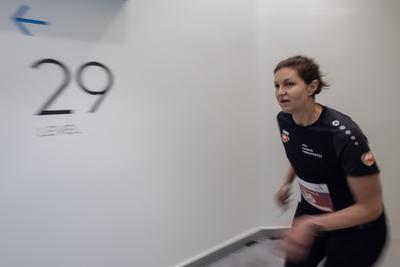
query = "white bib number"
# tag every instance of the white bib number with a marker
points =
(317, 195)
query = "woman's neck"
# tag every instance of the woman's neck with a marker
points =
(308, 115)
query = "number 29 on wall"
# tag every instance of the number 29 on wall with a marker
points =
(44, 109)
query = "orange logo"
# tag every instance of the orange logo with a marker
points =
(368, 159)
(285, 138)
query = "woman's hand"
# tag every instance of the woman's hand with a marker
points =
(299, 238)
(283, 195)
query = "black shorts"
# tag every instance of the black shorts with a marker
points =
(358, 246)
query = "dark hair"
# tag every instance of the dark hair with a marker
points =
(307, 69)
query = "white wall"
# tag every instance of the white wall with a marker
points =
(183, 153)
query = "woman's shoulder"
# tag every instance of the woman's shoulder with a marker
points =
(340, 120)
(343, 128)
(284, 118)
(283, 115)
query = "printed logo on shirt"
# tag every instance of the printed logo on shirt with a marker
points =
(285, 136)
(368, 159)
(306, 150)
(317, 195)
(335, 123)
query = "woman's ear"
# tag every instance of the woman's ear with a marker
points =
(312, 87)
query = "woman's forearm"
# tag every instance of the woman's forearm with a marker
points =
(290, 175)
(351, 216)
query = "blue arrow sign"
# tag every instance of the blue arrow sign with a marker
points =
(19, 20)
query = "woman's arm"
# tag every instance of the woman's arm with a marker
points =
(283, 194)
(289, 176)
(368, 206)
(367, 193)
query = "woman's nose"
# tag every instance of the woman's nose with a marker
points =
(280, 91)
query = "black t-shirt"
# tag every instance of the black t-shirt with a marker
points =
(323, 154)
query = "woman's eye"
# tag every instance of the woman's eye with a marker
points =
(289, 84)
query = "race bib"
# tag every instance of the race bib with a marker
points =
(316, 194)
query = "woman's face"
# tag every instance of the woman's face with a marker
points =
(291, 91)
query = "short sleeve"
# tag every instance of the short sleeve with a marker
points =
(354, 153)
(279, 118)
